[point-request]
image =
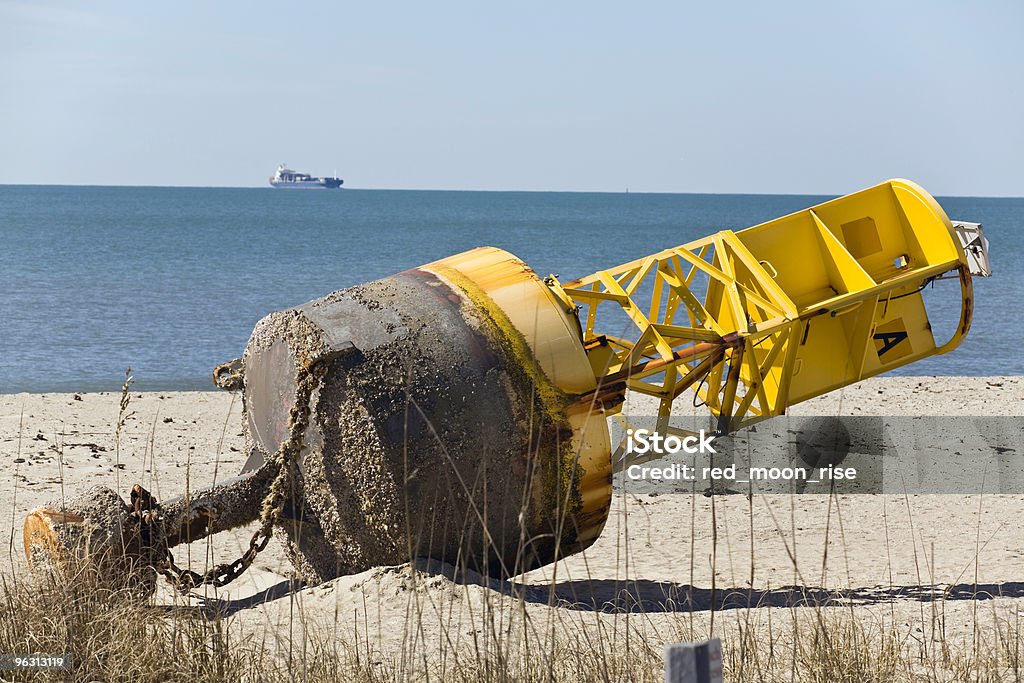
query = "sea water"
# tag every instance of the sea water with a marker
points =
(170, 281)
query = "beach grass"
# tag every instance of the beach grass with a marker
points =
(460, 626)
(112, 635)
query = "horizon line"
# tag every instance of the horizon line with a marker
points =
(508, 191)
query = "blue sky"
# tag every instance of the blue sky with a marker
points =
(791, 97)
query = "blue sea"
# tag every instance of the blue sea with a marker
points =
(170, 281)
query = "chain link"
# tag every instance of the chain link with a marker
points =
(147, 511)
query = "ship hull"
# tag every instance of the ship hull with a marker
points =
(321, 184)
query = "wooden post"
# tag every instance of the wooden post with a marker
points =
(694, 662)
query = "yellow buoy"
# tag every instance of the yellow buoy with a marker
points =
(459, 410)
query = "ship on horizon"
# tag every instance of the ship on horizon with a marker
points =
(287, 178)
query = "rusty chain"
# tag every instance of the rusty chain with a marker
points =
(147, 511)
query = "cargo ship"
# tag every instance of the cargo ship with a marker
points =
(286, 177)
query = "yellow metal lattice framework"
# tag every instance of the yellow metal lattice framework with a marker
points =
(758, 320)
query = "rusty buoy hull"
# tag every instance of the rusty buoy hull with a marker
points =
(442, 428)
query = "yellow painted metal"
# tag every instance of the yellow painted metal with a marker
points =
(751, 321)
(545, 340)
(760, 319)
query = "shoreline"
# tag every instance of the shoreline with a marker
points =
(886, 383)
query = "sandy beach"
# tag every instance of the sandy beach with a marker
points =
(666, 567)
